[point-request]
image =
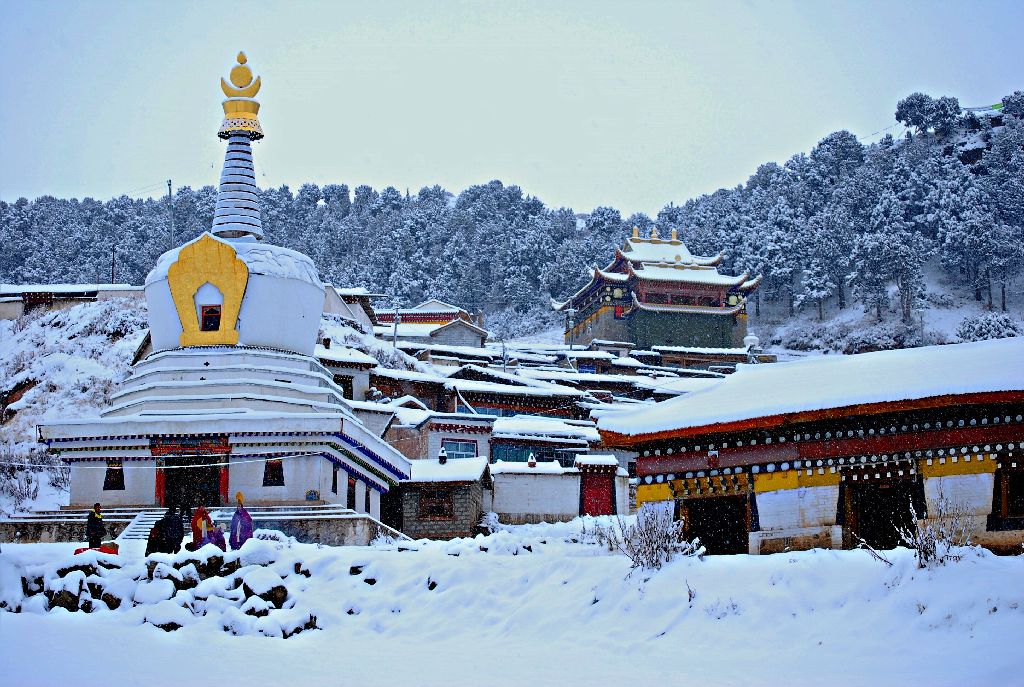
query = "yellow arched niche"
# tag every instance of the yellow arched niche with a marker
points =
(213, 261)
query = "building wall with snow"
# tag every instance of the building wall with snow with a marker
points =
(436, 437)
(301, 474)
(466, 508)
(457, 334)
(650, 329)
(520, 497)
(139, 484)
(300, 303)
(795, 508)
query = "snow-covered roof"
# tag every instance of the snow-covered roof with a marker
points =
(470, 351)
(453, 470)
(473, 386)
(356, 291)
(18, 289)
(679, 385)
(421, 331)
(534, 427)
(344, 354)
(700, 351)
(590, 459)
(689, 273)
(589, 355)
(833, 382)
(542, 467)
(657, 250)
(260, 258)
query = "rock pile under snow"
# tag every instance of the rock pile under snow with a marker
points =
(252, 591)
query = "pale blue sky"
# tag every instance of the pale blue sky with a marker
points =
(631, 104)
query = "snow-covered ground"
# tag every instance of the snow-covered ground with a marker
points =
(529, 606)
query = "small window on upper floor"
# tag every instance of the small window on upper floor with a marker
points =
(210, 318)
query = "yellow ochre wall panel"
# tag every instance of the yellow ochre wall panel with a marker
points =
(213, 261)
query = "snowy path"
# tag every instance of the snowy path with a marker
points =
(806, 618)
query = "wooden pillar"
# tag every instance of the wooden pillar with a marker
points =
(224, 477)
(159, 483)
(360, 505)
(375, 504)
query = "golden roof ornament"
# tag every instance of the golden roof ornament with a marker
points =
(241, 108)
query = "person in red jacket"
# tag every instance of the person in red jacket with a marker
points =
(201, 527)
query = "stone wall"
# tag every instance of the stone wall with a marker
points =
(467, 510)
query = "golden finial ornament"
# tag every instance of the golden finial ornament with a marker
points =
(241, 108)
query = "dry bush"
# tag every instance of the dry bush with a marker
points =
(655, 539)
(940, 538)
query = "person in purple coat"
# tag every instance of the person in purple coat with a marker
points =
(241, 523)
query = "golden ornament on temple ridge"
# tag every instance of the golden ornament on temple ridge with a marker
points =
(240, 108)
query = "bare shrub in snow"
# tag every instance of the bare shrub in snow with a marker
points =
(940, 538)
(653, 540)
(988, 325)
(19, 484)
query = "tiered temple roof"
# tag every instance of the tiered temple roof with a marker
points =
(649, 263)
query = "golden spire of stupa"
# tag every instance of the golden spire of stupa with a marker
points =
(240, 108)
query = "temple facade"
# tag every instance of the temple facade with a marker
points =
(656, 293)
(838, 450)
(232, 396)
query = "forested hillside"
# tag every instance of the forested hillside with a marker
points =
(845, 226)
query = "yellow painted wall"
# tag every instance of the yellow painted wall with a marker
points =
(213, 261)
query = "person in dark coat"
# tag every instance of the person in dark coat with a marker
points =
(157, 538)
(94, 527)
(174, 531)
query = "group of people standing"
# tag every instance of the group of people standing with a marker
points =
(169, 531)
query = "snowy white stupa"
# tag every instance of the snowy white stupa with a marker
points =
(231, 382)
(273, 297)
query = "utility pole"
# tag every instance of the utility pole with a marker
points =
(170, 205)
(394, 331)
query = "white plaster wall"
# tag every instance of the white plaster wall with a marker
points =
(11, 310)
(621, 495)
(300, 475)
(483, 444)
(795, 508)
(973, 492)
(553, 494)
(139, 484)
(164, 325)
(276, 313)
(280, 313)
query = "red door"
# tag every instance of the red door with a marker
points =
(598, 494)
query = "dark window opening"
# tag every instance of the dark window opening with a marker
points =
(334, 480)
(210, 318)
(346, 386)
(113, 477)
(437, 503)
(350, 495)
(273, 473)
(366, 501)
(1015, 494)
